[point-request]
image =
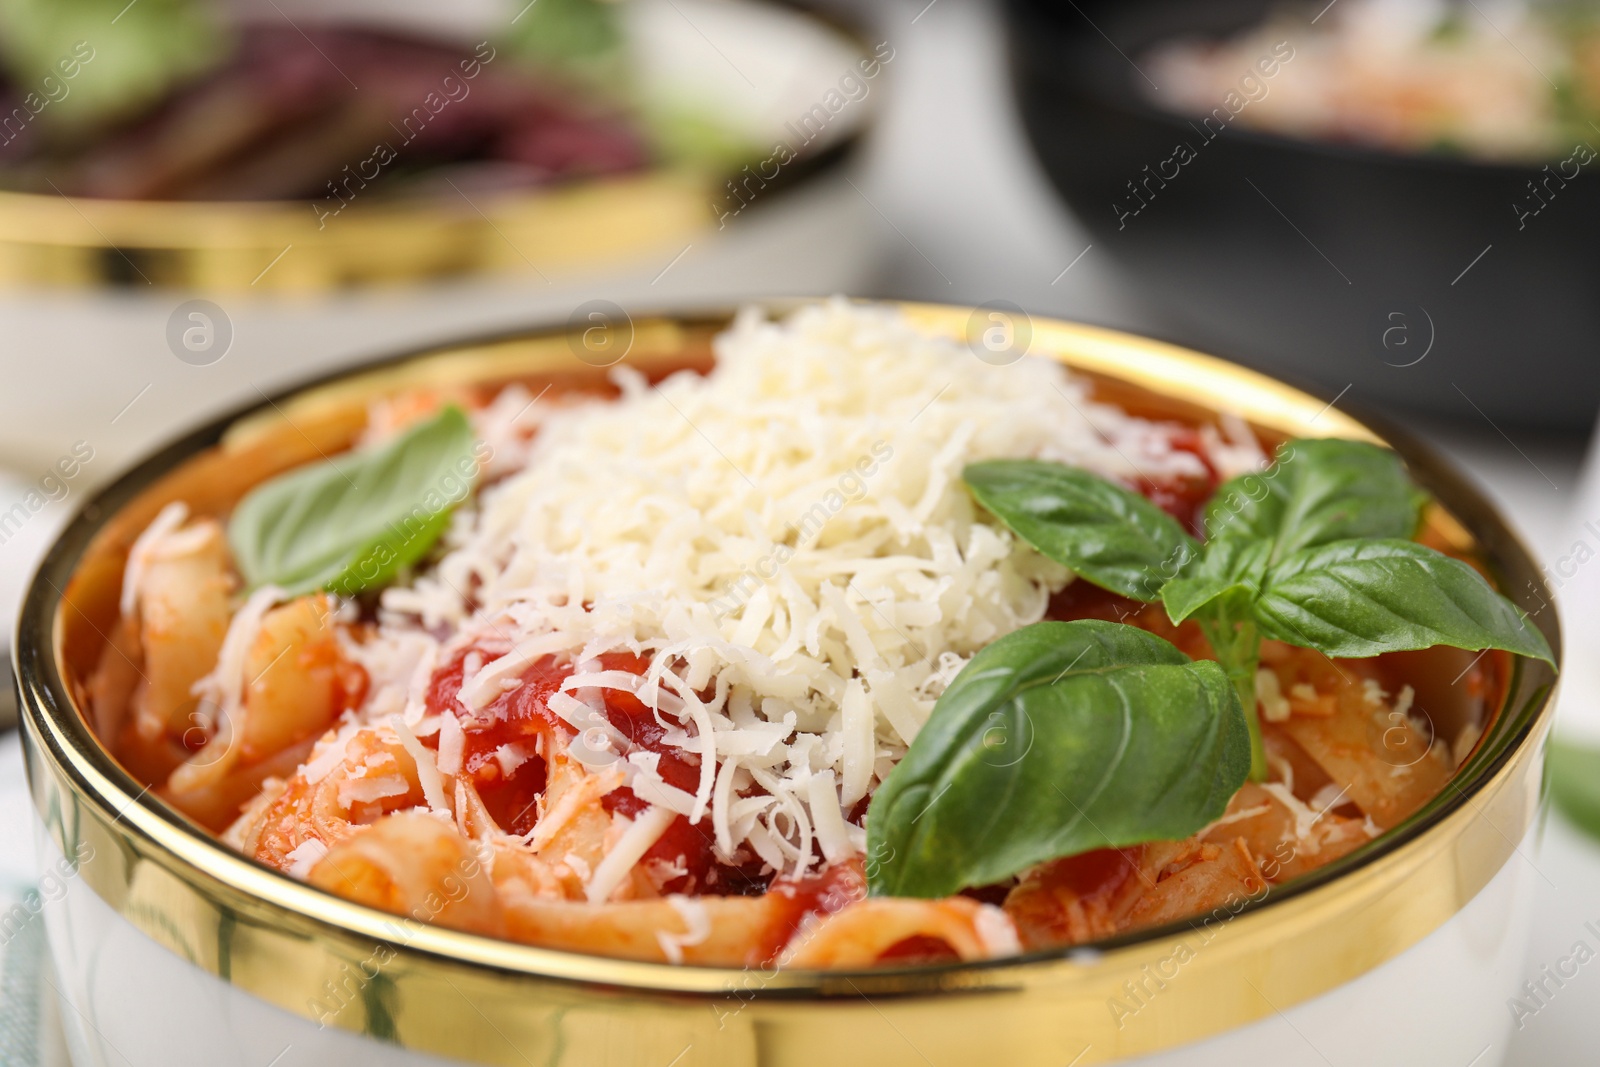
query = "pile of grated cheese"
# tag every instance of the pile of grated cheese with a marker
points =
(787, 539)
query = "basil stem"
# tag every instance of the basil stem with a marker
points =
(1237, 644)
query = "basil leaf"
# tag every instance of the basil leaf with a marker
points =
(1113, 537)
(351, 523)
(1574, 775)
(1232, 567)
(1056, 739)
(1317, 492)
(1361, 598)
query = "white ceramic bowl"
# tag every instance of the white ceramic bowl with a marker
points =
(173, 950)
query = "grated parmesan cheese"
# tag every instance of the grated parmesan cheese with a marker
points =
(306, 855)
(785, 539)
(427, 769)
(146, 547)
(1269, 694)
(221, 692)
(452, 745)
(353, 791)
(696, 926)
(996, 932)
(630, 848)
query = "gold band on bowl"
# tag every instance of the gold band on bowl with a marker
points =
(486, 1001)
(227, 247)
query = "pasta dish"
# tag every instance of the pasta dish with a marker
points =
(851, 650)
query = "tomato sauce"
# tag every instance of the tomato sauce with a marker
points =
(1183, 497)
(520, 715)
(1098, 874)
(829, 890)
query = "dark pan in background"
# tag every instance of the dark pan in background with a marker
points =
(1406, 278)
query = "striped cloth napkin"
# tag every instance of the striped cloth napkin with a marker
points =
(30, 1028)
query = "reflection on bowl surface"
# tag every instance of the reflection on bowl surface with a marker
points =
(1415, 279)
(276, 938)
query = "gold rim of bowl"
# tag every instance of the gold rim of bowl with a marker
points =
(284, 247)
(482, 1000)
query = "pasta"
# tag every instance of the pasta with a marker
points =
(638, 700)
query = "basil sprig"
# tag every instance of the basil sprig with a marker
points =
(1064, 737)
(1056, 739)
(1315, 551)
(351, 523)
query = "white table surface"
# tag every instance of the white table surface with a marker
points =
(967, 217)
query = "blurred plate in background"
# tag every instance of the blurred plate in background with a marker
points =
(128, 318)
(1404, 277)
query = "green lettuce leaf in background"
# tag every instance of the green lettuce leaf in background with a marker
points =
(139, 51)
(1573, 775)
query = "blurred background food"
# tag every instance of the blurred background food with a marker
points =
(253, 100)
(199, 101)
(338, 178)
(275, 117)
(1514, 82)
(1395, 196)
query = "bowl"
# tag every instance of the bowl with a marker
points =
(1407, 278)
(171, 948)
(206, 305)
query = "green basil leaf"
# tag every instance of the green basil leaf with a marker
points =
(1361, 598)
(1231, 567)
(1113, 537)
(1317, 491)
(351, 523)
(1056, 739)
(1574, 775)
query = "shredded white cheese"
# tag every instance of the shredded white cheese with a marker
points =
(306, 855)
(786, 540)
(1269, 694)
(630, 848)
(1466, 741)
(427, 769)
(696, 927)
(452, 745)
(1305, 819)
(161, 540)
(996, 932)
(221, 692)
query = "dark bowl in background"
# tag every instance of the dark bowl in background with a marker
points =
(1405, 277)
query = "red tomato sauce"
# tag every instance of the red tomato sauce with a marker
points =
(1100, 873)
(521, 714)
(1183, 497)
(823, 893)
